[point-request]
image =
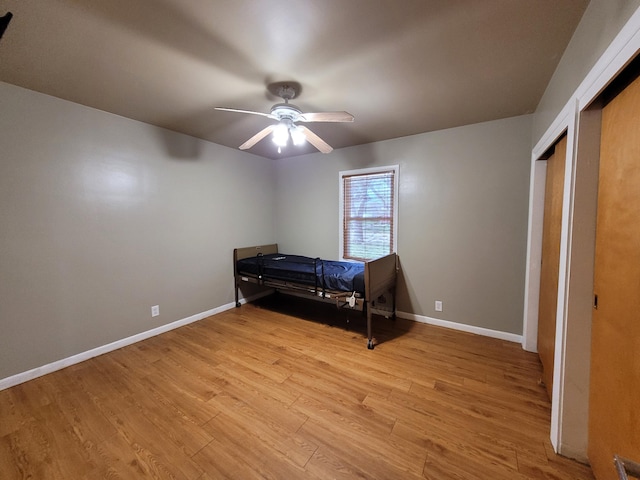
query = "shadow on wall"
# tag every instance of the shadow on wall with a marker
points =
(403, 295)
(365, 155)
(180, 146)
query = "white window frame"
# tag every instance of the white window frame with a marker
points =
(368, 171)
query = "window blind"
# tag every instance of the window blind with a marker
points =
(368, 215)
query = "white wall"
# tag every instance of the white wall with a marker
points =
(462, 226)
(102, 217)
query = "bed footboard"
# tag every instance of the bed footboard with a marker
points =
(380, 277)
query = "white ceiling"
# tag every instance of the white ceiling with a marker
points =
(401, 67)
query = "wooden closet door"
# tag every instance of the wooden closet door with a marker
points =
(549, 271)
(614, 400)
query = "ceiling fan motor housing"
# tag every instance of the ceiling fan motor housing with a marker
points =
(287, 111)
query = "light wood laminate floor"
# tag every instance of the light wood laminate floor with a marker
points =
(257, 392)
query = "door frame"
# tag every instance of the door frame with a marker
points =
(569, 426)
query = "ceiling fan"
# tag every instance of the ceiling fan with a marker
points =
(288, 115)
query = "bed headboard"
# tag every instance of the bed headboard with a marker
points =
(246, 252)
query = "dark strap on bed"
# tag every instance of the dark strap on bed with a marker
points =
(260, 258)
(315, 270)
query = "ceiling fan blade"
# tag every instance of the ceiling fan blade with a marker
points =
(326, 117)
(257, 137)
(315, 140)
(245, 111)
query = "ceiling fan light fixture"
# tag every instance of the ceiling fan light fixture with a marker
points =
(281, 135)
(297, 136)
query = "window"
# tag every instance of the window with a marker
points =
(368, 213)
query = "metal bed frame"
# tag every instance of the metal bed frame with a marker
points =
(626, 467)
(380, 278)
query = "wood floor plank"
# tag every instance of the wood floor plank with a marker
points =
(152, 448)
(261, 385)
(14, 413)
(176, 397)
(357, 417)
(347, 450)
(287, 389)
(417, 427)
(256, 454)
(465, 450)
(281, 437)
(173, 370)
(176, 428)
(310, 374)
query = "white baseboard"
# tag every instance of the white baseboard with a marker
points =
(81, 357)
(510, 337)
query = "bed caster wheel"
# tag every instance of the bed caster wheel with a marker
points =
(238, 304)
(370, 344)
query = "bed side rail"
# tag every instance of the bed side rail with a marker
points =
(380, 275)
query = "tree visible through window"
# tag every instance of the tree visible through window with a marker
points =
(368, 214)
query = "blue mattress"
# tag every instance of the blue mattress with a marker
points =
(322, 274)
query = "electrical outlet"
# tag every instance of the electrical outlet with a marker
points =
(155, 310)
(438, 306)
